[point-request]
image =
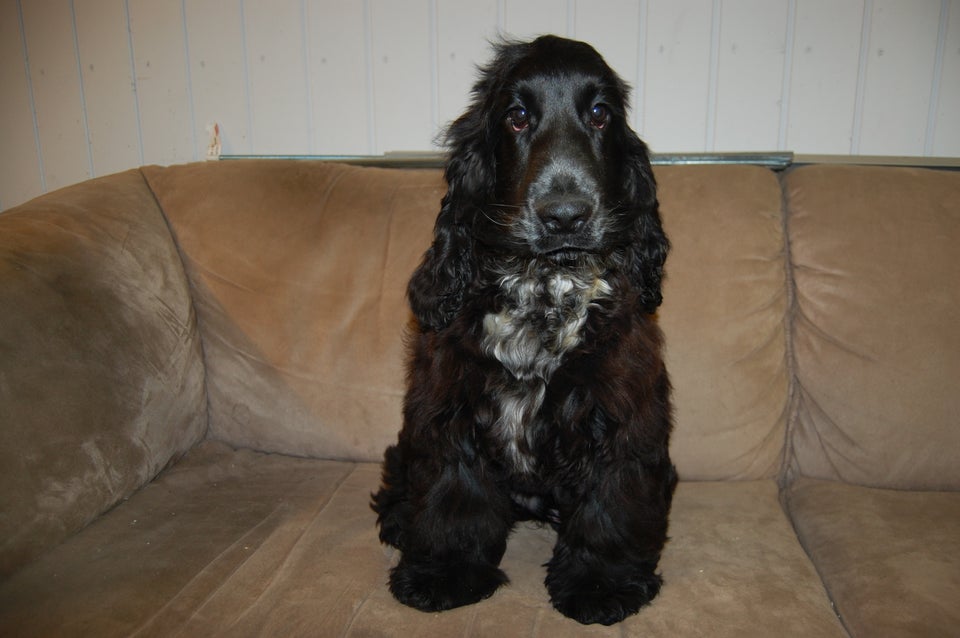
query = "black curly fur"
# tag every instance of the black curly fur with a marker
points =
(536, 385)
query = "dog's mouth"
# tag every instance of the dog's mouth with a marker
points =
(567, 254)
(563, 246)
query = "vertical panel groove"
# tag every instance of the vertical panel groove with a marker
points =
(937, 78)
(865, 29)
(434, 60)
(371, 95)
(639, 109)
(791, 27)
(307, 74)
(33, 99)
(251, 132)
(711, 115)
(190, 100)
(83, 96)
(133, 81)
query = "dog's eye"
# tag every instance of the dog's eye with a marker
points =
(518, 119)
(599, 116)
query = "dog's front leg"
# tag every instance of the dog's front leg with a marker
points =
(454, 535)
(609, 542)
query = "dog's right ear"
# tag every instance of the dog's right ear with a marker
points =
(436, 288)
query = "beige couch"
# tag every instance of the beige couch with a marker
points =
(201, 365)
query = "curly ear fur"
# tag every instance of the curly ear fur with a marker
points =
(436, 289)
(648, 250)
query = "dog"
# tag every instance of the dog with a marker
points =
(536, 387)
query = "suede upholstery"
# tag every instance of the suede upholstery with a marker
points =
(730, 385)
(299, 276)
(889, 558)
(877, 272)
(101, 379)
(251, 315)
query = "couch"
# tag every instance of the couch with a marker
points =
(201, 365)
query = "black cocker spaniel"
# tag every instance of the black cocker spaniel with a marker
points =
(536, 386)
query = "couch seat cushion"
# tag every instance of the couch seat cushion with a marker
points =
(241, 543)
(890, 559)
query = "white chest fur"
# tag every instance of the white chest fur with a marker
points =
(541, 321)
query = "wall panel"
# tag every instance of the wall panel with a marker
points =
(944, 138)
(529, 18)
(676, 93)
(162, 83)
(54, 72)
(402, 73)
(753, 40)
(96, 86)
(111, 103)
(899, 77)
(218, 81)
(826, 61)
(19, 162)
(463, 33)
(277, 70)
(340, 95)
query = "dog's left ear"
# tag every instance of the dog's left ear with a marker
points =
(648, 250)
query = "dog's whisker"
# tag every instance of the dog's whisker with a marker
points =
(493, 220)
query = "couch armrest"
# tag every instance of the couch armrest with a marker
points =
(101, 373)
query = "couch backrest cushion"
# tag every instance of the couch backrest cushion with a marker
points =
(723, 316)
(876, 260)
(101, 374)
(299, 271)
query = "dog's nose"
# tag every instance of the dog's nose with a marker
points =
(564, 214)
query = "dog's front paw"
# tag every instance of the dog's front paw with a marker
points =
(597, 598)
(439, 586)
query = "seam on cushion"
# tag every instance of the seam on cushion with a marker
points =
(242, 540)
(356, 614)
(183, 626)
(538, 619)
(786, 498)
(785, 474)
(190, 290)
(392, 210)
(788, 470)
(281, 564)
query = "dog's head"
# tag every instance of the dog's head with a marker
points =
(543, 165)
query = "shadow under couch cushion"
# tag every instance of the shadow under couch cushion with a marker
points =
(242, 543)
(890, 559)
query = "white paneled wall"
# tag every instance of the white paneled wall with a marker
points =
(91, 87)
